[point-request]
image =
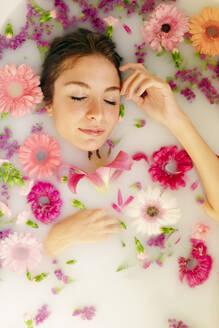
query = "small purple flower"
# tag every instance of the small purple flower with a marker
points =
(157, 241)
(87, 313)
(173, 323)
(4, 233)
(188, 93)
(42, 315)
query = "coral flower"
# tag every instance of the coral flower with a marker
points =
(197, 267)
(40, 155)
(45, 202)
(19, 89)
(153, 209)
(20, 252)
(166, 28)
(170, 166)
(205, 31)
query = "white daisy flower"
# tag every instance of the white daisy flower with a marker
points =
(152, 209)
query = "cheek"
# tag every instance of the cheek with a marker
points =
(112, 116)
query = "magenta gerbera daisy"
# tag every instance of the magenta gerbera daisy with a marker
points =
(19, 89)
(170, 166)
(165, 28)
(20, 252)
(45, 201)
(196, 268)
(40, 155)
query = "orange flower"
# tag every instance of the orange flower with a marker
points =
(205, 31)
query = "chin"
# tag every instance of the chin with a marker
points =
(89, 145)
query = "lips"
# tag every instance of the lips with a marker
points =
(92, 132)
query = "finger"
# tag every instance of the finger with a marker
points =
(132, 66)
(148, 84)
(97, 214)
(127, 81)
(107, 221)
(113, 228)
(135, 85)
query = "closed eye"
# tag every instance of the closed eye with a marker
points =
(113, 103)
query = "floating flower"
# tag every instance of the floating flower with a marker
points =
(103, 175)
(173, 323)
(45, 202)
(165, 28)
(19, 89)
(5, 210)
(205, 31)
(40, 155)
(20, 252)
(110, 20)
(170, 166)
(196, 268)
(200, 231)
(153, 209)
(87, 313)
(42, 315)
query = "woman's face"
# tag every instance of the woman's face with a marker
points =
(86, 102)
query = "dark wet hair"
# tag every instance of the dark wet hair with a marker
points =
(76, 44)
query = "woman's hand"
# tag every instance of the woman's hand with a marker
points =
(151, 94)
(85, 226)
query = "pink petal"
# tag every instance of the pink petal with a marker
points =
(139, 156)
(128, 201)
(116, 208)
(120, 200)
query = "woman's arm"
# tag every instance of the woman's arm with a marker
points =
(206, 162)
(160, 104)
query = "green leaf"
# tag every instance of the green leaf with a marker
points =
(78, 204)
(139, 247)
(123, 244)
(32, 224)
(8, 30)
(28, 275)
(177, 58)
(122, 111)
(123, 225)
(1, 214)
(71, 262)
(29, 323)
(109, 31)
(4, 115)
(122, 267)
(40, 277)
(167, 230)
(64, 179)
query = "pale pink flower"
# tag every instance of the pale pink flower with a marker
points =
(23, 217)
(142, 256)
(166, 28)
(40, 155)
(53, 13)
(19, 89)
(110, 20)
(20, 252)
(5, 209)
(200, 231)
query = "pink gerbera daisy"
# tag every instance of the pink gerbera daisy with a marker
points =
(166, 28)
(19, 89)
(197, 267)
(40, 155)
(45, 202)
(20, 252)
(170, 166)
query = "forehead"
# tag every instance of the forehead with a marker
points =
(90, 68)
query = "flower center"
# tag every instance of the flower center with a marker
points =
(20, 253)
(212, 31)
(44, 200)
(165, 28)
(152, 211)
(41, 156)
(15, 90)
(171, 167)
(191, 264)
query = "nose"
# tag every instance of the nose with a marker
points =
(95, 111)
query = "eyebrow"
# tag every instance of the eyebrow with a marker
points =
(85, 85)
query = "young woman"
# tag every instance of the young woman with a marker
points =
(82, 84)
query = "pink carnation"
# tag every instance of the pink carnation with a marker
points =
(170, 166)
